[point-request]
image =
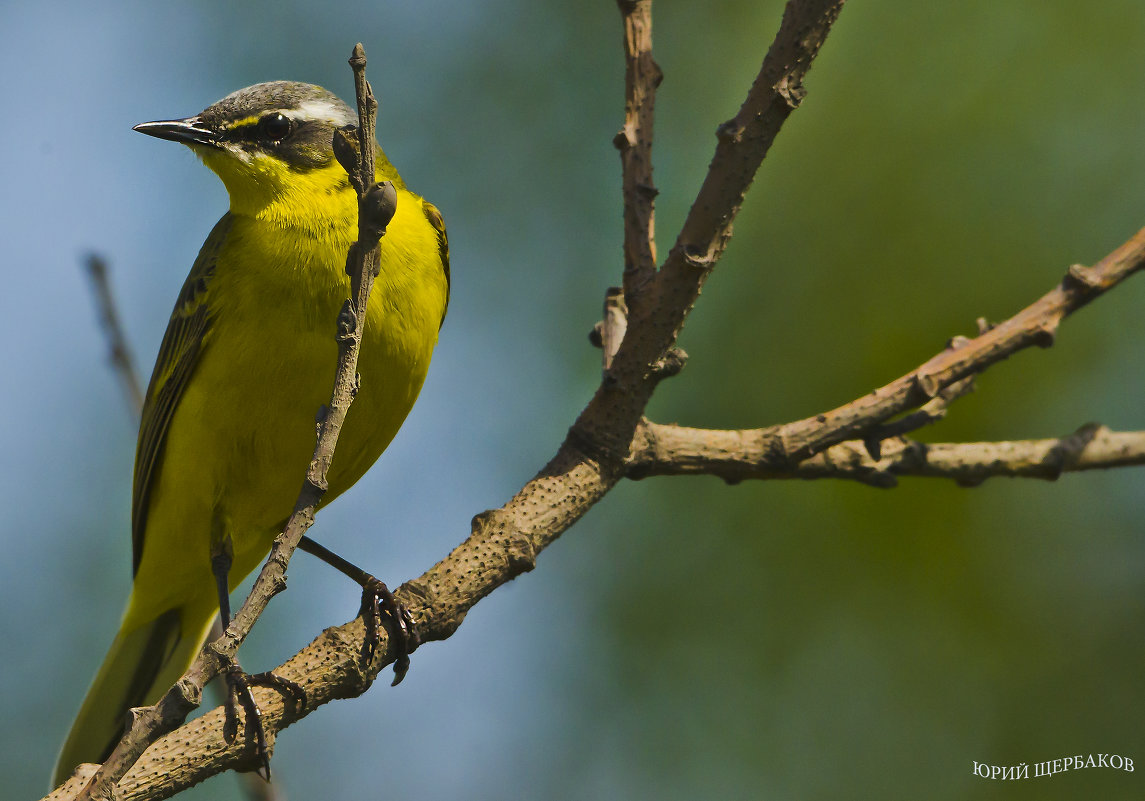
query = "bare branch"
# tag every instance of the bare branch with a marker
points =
(605, 428)
(1037, 324)
(375, 209)
(665, 450)
(505, 542)
(121, 359)
(930, 412)
(634, 141)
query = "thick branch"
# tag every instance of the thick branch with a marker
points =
(150, 723)
(668, 450)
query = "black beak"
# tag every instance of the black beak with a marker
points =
(190, 131)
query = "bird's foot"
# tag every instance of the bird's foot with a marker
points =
(376, 601)
(239, 684)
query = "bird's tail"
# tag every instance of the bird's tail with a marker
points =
(142, 664)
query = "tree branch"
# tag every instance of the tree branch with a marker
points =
(634, 141)
(121, 359)
(504, 542)
(669, 450)
(375, 209)
(1037, 324)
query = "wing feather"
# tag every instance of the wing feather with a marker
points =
(435, 219)
(178, 355)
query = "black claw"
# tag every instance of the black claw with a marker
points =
(240, 688)
(377, 599)
(239, 685)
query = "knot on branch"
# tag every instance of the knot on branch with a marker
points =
(698, 259)
(1067, 452)
(927, 384)
(1045, 334)
(791, 91)
(670, 364)
(1081, 278)
(347, 322)
(729, 132)
(521, 552)
(506, 541)
(647, 191)
(624, 140)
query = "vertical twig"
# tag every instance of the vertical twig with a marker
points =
(121, 359)
(634, 141)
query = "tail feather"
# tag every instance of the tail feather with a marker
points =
(140, 666)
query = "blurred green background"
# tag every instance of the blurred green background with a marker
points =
(687, 639)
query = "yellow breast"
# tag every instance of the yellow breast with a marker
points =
(244, 429)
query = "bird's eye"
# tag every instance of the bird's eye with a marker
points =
(275, 127)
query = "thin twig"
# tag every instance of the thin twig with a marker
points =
(121, 358)
(634, 141)
(930, 412)
(604, 430)
(1037, 324)
(669, 450)
(150, 723)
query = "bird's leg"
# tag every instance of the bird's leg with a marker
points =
(376, 600)
(239, 682)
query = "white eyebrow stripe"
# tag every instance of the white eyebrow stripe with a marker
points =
(335, 113)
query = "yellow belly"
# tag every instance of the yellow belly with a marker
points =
(244, 429)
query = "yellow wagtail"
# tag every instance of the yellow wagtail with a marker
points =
(247, 360)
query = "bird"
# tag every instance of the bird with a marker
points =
(248, 358)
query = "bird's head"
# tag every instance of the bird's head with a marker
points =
(271, 143)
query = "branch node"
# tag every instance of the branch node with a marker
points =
(957, 341)
(984, 325)
(698, 260)
(927, 384)
(729, 132)
(1078, 276)
(347, 322)
(670, 364)
(624, 139)
(521, 553)
(1044, 335)
(189, 693)
(648, 191)
(790, 91)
